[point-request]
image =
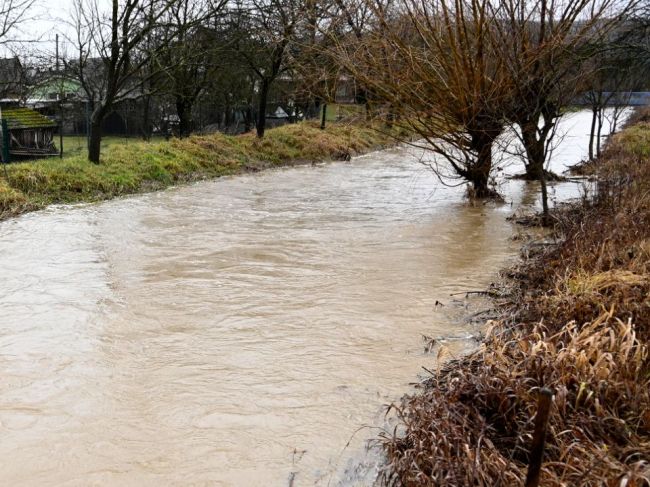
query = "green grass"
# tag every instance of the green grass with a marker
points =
(76, 145)
(132, 166)
(636, 139)
(337, 111)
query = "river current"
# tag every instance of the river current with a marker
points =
(244, 331)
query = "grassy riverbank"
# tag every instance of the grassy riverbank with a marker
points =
(578, 322)
(146, 166)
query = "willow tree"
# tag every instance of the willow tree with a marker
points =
(434, 64)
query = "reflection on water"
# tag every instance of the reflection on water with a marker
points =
(234, 332)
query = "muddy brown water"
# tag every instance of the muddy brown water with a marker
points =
(241, 331)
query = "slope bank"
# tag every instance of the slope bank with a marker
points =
(577, 321)
(146, 166)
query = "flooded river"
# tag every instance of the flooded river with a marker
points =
(240, 331)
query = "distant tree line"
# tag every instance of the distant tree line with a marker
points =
(232, 53)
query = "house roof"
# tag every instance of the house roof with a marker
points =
(25, 118)
(67, 87)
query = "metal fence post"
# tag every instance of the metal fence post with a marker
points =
(5, 141)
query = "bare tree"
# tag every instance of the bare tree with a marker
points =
(616, 71)
(13, 81)
(599, 100)
(548, 45)
(190, 60)
(112, 52)
(264, 33)
(315, 71)
(12, 14)
(434, 63)
(353, 19)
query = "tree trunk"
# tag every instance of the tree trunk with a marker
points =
(184, 112)
(535, 151)
(615, 117)
(592, 132)
(535, 147)
(542, 182)
(599, 132)
(227, 119)
(248, 118)
(480, 185)
(95, 141)
(261, 115)
(312, 108)
(146, 116)
(323, 119)
(478, 174)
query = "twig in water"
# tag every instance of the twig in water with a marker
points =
(467, 293)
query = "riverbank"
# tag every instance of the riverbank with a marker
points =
(577, 321)
(146, 166)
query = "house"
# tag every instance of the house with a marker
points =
(59, 95)
(50, 91)
(30, 134)
(61, 99)
(12, 81)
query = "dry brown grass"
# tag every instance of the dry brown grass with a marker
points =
(580, 326)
